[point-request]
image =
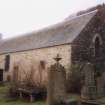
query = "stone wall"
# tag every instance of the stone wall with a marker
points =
(85, 41)
(34, 58)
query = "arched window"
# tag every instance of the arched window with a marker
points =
(97, 42)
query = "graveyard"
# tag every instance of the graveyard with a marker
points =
(56, 90)
(7, 101)
(60, 65)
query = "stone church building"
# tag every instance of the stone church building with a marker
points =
(77, 39)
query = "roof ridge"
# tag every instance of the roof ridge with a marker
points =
(77, 16)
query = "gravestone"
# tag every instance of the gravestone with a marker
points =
(89, 93)
(89, 88)
(56, 83)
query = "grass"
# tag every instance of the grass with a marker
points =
(102, 100)
(73, 96)
(4, 100)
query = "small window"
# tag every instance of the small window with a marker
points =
(97, 47)
(42, 64)
(7, 62)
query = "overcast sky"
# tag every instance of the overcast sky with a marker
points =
(22, 16)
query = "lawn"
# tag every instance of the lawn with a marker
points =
(4, 100)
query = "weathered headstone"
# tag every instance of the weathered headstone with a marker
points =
(56, 83)
(89, 93)
(89, 89)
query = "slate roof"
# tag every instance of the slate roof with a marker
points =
(61, 33)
